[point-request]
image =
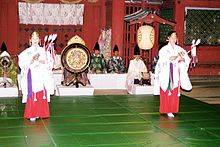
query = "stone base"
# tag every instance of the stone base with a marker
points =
(9, 91)
(73, 91)
(144, 90)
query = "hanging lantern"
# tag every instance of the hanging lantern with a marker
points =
(145, 37)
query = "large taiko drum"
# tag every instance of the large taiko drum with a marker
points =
(75, 58)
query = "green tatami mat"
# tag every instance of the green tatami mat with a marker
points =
(110, 121)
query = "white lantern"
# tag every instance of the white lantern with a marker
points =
(145, 37)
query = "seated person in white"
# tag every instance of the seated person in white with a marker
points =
(135, 68)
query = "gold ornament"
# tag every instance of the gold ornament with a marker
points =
(76, 39)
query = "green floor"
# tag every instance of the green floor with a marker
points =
(122, 121)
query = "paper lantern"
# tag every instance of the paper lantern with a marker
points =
(145, 37)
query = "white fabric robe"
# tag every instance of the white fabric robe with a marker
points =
(50, 64)
(40, 73)
(134, 72)
(57, 63)
(180, 69)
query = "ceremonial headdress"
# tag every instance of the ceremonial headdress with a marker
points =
(5, 53)
(115, 48)
(35, 34)
(3, 47)
(96, 47)
(136, 50)
(172, 34)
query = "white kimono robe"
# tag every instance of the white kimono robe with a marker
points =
(180, 69)
(40, 73)
(134, 72)
(50, 64)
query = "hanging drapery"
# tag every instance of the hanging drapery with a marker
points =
(76, 1)
(33, 1)
(105, 42)
(50, 14)
(70, 1)
(63, 1)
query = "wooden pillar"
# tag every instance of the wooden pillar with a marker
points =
(179, 18)
(117, 24)
(92, 24)
(3, 21)
(9, 25)
(103, 14)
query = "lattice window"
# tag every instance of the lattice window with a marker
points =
(165, 28)
(130, 33)
(204, 24)
(64, 32)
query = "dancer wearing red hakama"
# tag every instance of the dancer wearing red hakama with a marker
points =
(171, 75)
(35, 80)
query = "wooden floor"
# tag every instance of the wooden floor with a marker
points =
(206, 89)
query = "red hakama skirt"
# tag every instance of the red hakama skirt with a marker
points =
(169, 103)
(38, 107)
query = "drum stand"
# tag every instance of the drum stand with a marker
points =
(75, 81)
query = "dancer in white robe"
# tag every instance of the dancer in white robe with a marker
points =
(35, 80)
(171, 75)
(135, 68)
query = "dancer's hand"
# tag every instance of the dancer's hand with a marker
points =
(36, 56)
(173, 58)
